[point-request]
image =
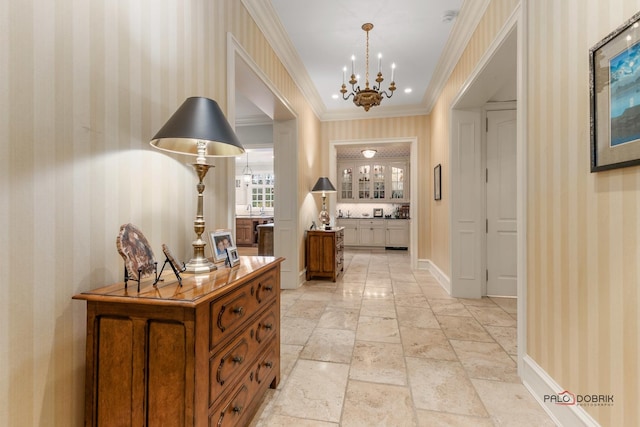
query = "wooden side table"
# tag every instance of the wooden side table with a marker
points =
(325, 253)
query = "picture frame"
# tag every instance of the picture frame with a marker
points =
(233, 258)
(614, 77)
(220, 241)
(377, 212)
(437, 182)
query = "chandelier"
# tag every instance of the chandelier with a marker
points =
(367, 97)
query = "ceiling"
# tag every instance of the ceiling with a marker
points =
(315, 40)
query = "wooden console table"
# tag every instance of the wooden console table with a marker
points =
(198, 355)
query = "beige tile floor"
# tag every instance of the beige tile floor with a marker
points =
(387, 346)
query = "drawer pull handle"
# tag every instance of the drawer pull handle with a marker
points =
(268, 364)
(237, 409)
(268, 288)
(238, 310)
(268, 326)
(238, 359)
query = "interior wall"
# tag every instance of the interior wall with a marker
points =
(583, 228)
(392, 128)
(83, 88)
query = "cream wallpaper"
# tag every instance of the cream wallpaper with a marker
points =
(583, 228)
(84, 85)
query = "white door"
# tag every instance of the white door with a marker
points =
(466, 196)
(501, 204)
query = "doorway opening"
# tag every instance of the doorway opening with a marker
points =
(499, 77)
(246, 82)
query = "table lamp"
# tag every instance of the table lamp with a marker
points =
(199, 128)
(323, 185)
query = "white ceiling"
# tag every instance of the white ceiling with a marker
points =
(315, 40)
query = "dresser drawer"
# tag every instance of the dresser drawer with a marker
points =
(231, 311)
(231, 360)
(235, 408)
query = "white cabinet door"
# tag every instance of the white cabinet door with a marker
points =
(345, 182)
(350, 231)
(397, 234)
(371, 232)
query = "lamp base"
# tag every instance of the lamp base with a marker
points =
(200, 265)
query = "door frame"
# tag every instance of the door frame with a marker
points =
(413, 182)
(516, 22)
(286, 216)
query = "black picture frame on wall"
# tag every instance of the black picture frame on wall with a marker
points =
(437, 182)
(614, 79)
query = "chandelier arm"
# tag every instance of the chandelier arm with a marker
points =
(348, 96)
(384, 92)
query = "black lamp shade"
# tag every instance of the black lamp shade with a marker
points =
(323, 185)
(198, 119)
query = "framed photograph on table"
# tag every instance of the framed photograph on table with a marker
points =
(437, 184)
(233, 258)
(220, 241)
(614, 79)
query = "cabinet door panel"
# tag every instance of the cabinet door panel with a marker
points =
(114, 371)
(167, 366)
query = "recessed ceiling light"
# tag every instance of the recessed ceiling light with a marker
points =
(408, 90)
(334, 96)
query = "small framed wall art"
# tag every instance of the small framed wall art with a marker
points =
(437, 184)
(614, 81)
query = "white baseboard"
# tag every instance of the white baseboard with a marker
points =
(443, 279)
(539, 384)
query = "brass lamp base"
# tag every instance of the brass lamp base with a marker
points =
(199, 263)
(198, 266)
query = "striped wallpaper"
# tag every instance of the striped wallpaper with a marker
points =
(84, 85)
(583, 228)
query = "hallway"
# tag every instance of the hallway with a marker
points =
(387, 346)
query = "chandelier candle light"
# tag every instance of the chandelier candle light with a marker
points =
(367, 97)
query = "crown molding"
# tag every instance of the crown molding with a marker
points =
(465, 24)
(269, 24)
(257, 120)
(357, 113)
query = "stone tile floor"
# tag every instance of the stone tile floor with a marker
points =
(387, 346)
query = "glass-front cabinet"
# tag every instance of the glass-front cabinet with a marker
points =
(372, 181)
(345, 179)
(397, 171)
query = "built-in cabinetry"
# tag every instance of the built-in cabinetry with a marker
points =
(371, 232)
(390, 233)
(397, 233)
(247, 230)
(201, 353)
(379, 181)
(325, 253)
